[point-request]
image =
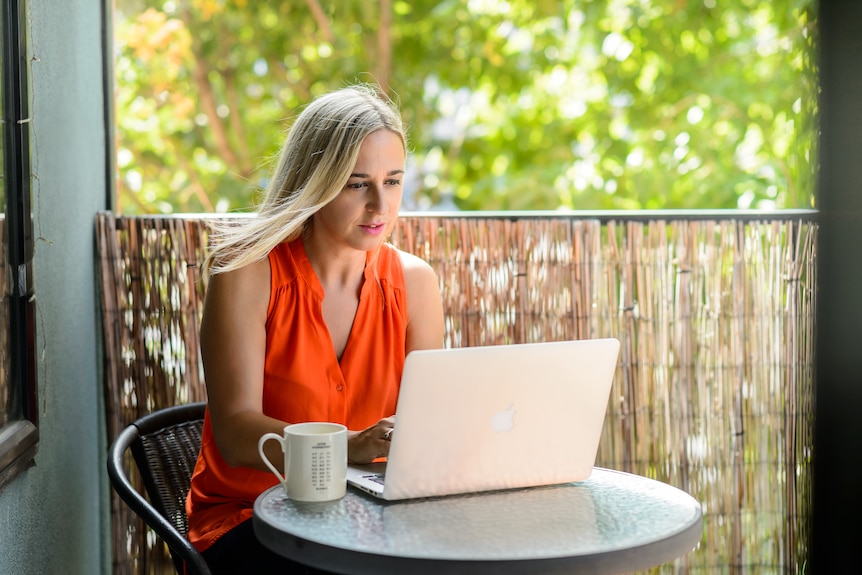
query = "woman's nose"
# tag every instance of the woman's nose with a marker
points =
(377, 200)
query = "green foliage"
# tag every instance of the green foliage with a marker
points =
(518, 104)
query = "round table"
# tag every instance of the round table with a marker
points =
(610, 523)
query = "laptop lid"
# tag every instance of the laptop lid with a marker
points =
(498, 417)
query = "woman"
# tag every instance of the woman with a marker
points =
(308, 316)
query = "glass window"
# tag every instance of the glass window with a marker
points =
(18, 431)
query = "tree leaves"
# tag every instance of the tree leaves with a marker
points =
(518, 104)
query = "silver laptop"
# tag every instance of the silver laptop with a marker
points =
(495, 417)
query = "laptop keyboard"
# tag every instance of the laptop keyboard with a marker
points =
(375, 477)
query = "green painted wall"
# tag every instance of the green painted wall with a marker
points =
(53, 518)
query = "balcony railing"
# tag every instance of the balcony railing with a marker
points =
(715, 312)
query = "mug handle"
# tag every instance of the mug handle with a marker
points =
(263, 439)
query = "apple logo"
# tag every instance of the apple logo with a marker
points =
(504, 420)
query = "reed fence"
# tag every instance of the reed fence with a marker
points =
(714, 388)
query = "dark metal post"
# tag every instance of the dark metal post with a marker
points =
(837, 521)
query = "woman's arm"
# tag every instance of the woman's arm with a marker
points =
(424, 304)
(424, 331)
(233, 348)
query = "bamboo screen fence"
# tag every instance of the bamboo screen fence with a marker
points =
(714, 388)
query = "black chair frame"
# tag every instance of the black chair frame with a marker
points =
(165, 446)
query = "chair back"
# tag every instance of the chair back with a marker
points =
(165, 446)
(166, 452)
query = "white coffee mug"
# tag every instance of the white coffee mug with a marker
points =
(315, 460)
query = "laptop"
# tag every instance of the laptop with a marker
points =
(495, 417)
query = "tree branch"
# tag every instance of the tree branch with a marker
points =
(200, 76)
(195, 187)
(384, 45)
(235, 120)
(320, 17)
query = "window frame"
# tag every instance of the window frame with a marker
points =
(19, 436)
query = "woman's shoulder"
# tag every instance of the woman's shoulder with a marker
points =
(288, 260)
(409, 263)
(415, 269)
(425, 307)
(250, 274)
(247, 285)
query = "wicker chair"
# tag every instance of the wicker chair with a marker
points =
(165, 446)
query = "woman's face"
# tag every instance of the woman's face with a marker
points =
(363, 214)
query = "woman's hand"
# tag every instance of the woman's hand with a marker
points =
(367, 445)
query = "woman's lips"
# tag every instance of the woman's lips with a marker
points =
(373, 229)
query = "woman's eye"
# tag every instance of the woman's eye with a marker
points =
(356, 185)
(393, 182)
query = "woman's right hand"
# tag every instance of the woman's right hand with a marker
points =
(371, 443)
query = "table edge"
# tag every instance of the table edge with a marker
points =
(332, 558)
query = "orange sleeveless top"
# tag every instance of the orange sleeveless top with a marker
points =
(303, 379)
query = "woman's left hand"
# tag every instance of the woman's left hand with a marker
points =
(367, 445)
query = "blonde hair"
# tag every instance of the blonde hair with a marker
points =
(313, 167)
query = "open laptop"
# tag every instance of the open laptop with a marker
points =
(495, 417)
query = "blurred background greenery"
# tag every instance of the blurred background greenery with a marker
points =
(510, 104)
